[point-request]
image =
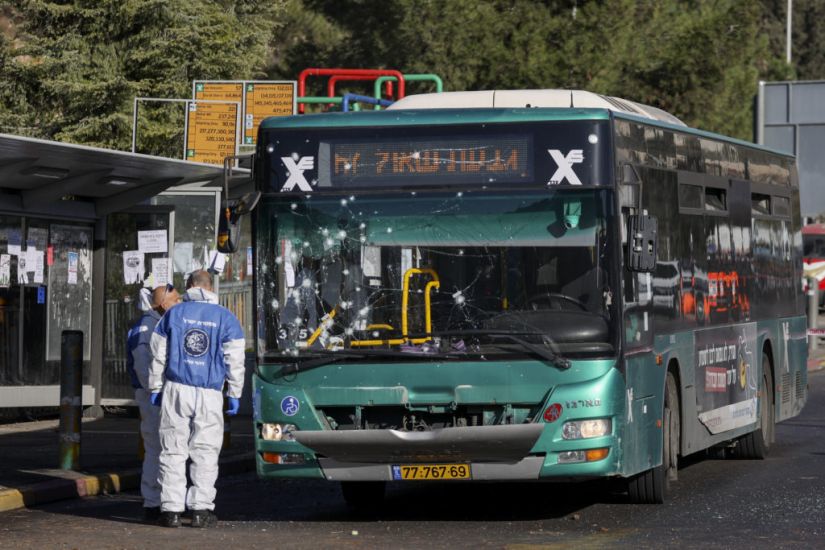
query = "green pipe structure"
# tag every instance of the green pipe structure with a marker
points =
(439, 84)
(321, 100)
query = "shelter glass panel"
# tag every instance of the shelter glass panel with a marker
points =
(10, 240)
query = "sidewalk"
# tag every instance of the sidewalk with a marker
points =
(816, 361)
(109, 460)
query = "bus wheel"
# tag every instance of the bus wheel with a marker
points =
(651, 487)
(363, 495)
(757, 443)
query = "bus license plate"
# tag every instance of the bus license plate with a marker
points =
(431, 471)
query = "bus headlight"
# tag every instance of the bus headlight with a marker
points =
(585, 429)
(278, 432)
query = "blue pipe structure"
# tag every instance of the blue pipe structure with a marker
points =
(348, 98)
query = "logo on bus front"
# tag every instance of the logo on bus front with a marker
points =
(565, 166)
(296, 168)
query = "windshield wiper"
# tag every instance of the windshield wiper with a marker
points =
(319, 358)
(545, 352)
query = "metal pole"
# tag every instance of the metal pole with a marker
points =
(71, 402)
(788, 33)
(134, 123)
(813, 313)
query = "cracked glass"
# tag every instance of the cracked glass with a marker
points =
(433, 272)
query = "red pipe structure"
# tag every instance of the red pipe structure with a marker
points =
(346, 72)
(333, 80)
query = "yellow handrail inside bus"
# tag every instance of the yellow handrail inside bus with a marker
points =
(405, 302)
(321, 326)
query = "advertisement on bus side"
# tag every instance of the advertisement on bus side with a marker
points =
(726, 368)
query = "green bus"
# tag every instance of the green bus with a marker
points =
(535, 285)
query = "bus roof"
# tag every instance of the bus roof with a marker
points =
(492, 115)
(531, 99)
(427, 117)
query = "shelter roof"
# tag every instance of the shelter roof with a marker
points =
(41, 177)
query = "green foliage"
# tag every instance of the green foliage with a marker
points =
(80, 64)
(69, 70)
(698, 59)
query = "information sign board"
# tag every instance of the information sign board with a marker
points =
(211, 131)
(218, 91)
(265, 99)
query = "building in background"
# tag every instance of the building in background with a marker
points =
(790, 117)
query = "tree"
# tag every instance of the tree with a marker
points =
(80, 64)
(698, 59)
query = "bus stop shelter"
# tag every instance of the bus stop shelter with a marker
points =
(71, 257)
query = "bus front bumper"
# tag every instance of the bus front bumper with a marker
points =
(502, 452)
(493, 452)
(480, 443)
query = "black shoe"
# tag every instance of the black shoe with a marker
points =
(204, 518)
(151, 513)
(169, 519)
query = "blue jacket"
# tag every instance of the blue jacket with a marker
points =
(198, 343)
(138, 351)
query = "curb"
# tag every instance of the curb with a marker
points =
(105, 483)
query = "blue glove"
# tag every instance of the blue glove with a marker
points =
(154, 399)
(234, 405)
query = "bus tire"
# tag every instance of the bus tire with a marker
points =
(651, 486)
(363, 495)
(756, 444)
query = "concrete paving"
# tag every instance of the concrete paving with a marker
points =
(109, 459)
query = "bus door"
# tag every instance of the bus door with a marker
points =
(643, 377)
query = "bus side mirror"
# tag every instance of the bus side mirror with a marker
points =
(641, 242)
(229, 227)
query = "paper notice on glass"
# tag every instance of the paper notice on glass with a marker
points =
(249, 260)
(5, 270)
(152, 241)
(371, 261)
(22, 274)
(289, 269)
(39, 266)
(15, 240)
(406, 262)
(132, 266)
(72, 267)
(31, 259)
(183, 257)
(160, 270)
(217, 261)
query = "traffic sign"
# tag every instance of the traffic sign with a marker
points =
(211, 131)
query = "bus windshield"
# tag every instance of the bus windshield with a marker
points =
(434, 272)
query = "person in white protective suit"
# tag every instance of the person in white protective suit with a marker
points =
(138, 363)
(198, 348)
